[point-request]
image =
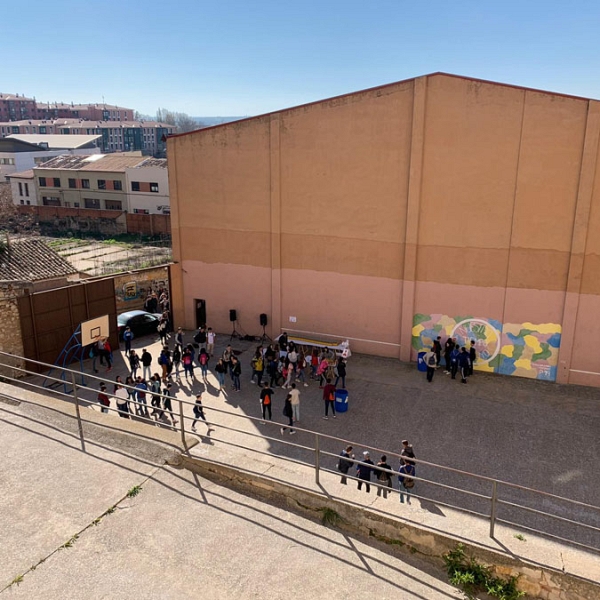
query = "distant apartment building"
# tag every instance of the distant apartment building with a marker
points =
(125, 136)
(15, 107)
(20, 153)
(125, 182)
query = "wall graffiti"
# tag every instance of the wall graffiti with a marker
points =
(525, 349)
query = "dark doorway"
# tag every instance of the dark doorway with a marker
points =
(200, 313)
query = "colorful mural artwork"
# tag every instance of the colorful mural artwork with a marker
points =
(525, 349)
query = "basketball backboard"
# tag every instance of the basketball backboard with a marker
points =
(94, 329)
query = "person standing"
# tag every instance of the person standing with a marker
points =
(448, 347)
(266, 400)
(155, 390)
(188, 364)
(177, 362)
(437, 350)
(162, 330)
(211, 338)
(236, 373)
(179, 338)
(472, 357)
(141, 389)
(364, 470)
(257, 367)
(329, 398)
(122, 398)
(430, 363)
(220, 370)
(199, 414)
(454, 356)
(341, 372)
(289, 413)
(146, 363)
(384, 478)
(127, 337)
(103, 399)
(167, 405)
(108, 354)
(406, 483)
(134, 363)
(295, 402)
(345, 463)
(227, 354)
(203, 362)
(200, 337)
(407, 453)
(464, 364)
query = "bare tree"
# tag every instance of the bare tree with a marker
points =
(181, 121)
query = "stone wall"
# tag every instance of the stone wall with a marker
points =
(131, 289)
(11, 340)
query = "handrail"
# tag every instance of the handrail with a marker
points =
(495, 501)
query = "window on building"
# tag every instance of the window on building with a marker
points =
(50, 201)
(141, 211)
(75, 204)
(27, 202)
(92, 203)
(56, 181)
(72, 183)
(85, 184)
(20, 189)
(101, 184)
(27, 190)
(22, 201)
(15, 130)
(42, 129)
(113, 205)
(117, 185)
(135, 186)
(154, 187)
(7, 161)
(42, 181)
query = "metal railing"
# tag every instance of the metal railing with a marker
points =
(486, 498)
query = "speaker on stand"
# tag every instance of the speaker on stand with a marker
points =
(233, 318)
(263, 322)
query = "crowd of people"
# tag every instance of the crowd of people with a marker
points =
(457, 359)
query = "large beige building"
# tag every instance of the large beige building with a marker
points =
(440, 205)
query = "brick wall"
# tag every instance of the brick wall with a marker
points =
(149, 224)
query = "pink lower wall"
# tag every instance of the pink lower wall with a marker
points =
(585, 360)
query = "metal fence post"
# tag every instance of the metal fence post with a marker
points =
(182, 423)
(493, 511)
(317, 458)
(79, 424)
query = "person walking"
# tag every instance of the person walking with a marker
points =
(266, 399)
(345, 463)
(179, 338)
(176, 359)
(188, 364)
(162, 330)
(295, 402)
(341, 372)
(236, 373)
(329, 398)
(131, 394)
(301, 368)
(141, 389)
(211, 338)
(155, 390)
(406, 483)
(289, 413)
(364, 470)
(437, 350)
(200, 337)
(199, 414)
(227, 354)
(103, 399)
(146, 360)
(127, 337)
(220, 370)
(383, 477)
(430, 362)
(108, 355)
(464, 364)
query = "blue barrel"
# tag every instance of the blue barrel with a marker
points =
(421, 362)
(341, 400)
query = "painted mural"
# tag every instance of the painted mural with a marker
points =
(525, 349)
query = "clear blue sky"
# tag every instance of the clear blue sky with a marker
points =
(245, 58)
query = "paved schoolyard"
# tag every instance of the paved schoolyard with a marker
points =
(536, 434)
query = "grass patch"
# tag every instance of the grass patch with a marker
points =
(520, 537)
(134, 491)
(472, 578)
(330, 517)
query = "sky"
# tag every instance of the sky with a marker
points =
(234, 58)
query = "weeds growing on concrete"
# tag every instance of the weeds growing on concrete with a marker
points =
(520, 537)
(470, 576)
(330, 517)
(134, 491)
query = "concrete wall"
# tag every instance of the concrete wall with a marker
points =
(153, 202)
(131, 289)
(436, 206)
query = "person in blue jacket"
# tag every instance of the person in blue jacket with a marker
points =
(127, 337)
(464, 364)
(454, 355)
(363, 471)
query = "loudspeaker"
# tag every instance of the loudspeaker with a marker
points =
(263, 320)
(232, 315)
